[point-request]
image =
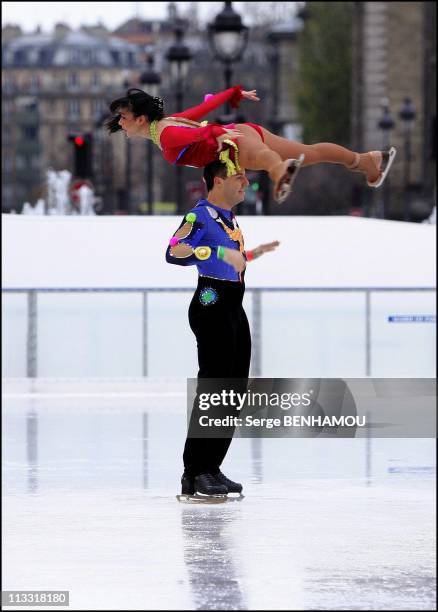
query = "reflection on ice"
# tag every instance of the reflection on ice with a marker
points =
(209, 559)
(145, 449)
(32, 450)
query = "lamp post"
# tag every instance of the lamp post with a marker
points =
(228, 38)
(407, 115)
(179, 56)
(151, 80)
(386, 124)
(278, 35)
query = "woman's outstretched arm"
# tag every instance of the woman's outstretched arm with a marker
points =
(233, 95)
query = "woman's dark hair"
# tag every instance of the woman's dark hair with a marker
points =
(214, 168)
(139, 103)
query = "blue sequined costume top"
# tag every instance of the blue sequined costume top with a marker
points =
(210, 226)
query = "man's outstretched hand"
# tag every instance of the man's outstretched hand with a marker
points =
(235, 258)
(264, 248)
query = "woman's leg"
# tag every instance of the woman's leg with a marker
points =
(324, 152)
(275, 153)
(271, 155)
(254, 154)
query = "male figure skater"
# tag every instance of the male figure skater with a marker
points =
(210, 237)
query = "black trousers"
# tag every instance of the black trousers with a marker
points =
(219, 322)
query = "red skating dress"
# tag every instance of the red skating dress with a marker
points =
(197, 146)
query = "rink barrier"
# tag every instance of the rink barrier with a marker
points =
(256, 335)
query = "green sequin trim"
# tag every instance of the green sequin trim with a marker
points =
(153, 132)
(208, 296)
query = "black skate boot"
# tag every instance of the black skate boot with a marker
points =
(233, 487)
(187, 485)
(206, 484)
(215, 493)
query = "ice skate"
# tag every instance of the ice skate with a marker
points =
(202, 489)
(202, 499)
(234, 488)
(374, 163)
(284, 185)
(187, 485)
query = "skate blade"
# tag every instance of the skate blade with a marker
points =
(391, 156)
(235, 497)
(202, 499)
(286, 188)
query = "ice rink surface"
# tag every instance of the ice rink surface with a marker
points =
(89, 506)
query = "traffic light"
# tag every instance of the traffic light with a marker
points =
(252, 191)
(83, 160)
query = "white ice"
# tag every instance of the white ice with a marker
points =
(89, 506)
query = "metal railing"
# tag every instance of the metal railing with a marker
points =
(256, 327)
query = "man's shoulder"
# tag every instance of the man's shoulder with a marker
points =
(203, 211)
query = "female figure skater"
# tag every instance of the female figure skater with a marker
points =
(186, 142)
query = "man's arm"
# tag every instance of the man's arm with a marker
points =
(184, 247)
(261, 250)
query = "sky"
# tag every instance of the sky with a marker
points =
(112, 14)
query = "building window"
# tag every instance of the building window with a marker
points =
(44, 57)
(75, 56)
(34, 82)
(30, 132)
(20, 57)
(115, 56)
(95, 80)
(86, 56)
(98, 108)
(72, 80)
(73, 109)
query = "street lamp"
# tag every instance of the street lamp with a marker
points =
(285, 32)
(179, 56)
(386, 124)
(276, 37)
(407, 115)
(228, 38)
(151, 80)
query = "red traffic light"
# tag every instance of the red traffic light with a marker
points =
(79, 141)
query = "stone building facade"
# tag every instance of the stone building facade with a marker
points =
(394, 57)
(56, 84)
